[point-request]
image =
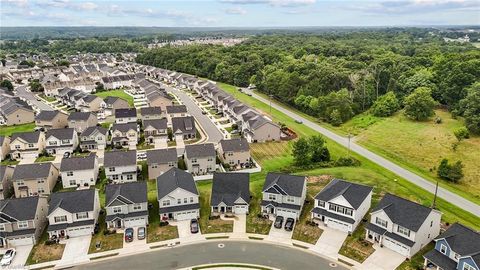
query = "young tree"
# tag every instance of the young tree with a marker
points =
(450, 172)
(318, 148)
(301, 152)
(35, 86)
(461, 133)
(7, 84)
(385, 105)
(419, 104)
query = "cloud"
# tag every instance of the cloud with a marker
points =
(276, 3)
(417, 6)
(236, 11)
(16, 3)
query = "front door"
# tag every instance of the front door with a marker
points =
(222, 209)
(119, 223)
(2, 243)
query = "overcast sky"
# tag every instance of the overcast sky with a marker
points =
(238, 13)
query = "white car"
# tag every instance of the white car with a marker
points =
(8, 257)
(141, 155)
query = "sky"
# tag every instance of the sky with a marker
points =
(239, 13)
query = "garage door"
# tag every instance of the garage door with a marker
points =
(241, 209)
(135, 222)
(287, 213)
(395, 246)
(186, 215)
(80, 231)
(21, 241)
(338, 225)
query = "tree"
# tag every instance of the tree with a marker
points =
(35, 86)
(301, 152)
(419, 104)
(99, 87)
(385, 105)
(318, 148)
(461, 133)
(7, 84)
(450, 172)
(470, 108)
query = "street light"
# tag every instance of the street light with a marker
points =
(349, 136)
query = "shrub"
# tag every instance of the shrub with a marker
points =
(163, 223)
(461, 133)
(450, 172)
(385, 105)
(347, 162)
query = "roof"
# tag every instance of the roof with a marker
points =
(285, 184)
(235, 145)
(403, 212)
(323, 212)
(79, 116)
(134, 192)
(181, 207)
(355, 194)
(120, 158)
(173, 179)
(162, 156)
(439, 259)
(2, 139)
(47, 115)
(78, 163)
(111, 100)
(462, 240)
(89, 98)
(73, 201)
(184, 124)
(156, 123)
(229, 187)
(200, 150)
(89, 131)
(150, 111)
(61, 133)
(29, 137)
(123, 113)
(18, 209)
(124, 127)
(177, 109)
(31, 171)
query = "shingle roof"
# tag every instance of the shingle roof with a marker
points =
(177, 109)
(2, 139)
(284, 184)
(403, 212)
(82, 116)
(60, 133)
(47, 115)
(200, 150)
(89, 98)
(124, 127)
(78, 163)
(19, 209)
(73, 201)
(120, 158)
(90, 130)
(355, 194)
(184, 124)
(235, 145)
(31, 171)
(30, 137)
(162, 156)
(151, 111)
(229, 187)
(462, 240)
(156, 123)
(122, 113)
(135, 192)
(111, 100)
(173, 179)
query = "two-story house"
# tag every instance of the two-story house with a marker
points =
(235, 153)
(79, 171)
(125, 135)
(200, 158)
(151, 113)
(123, 116)
(73, 213)
(114, 103)
(121, 166)
(51, 119)
(126, 205)
(402, 225)
(27, 144)
(80, 121)
(284, 195)
(90, 103)
(94, 138)
(342, 205)
(6, 185)
(161, 160)
(261, 129)
(230, 193)
(183, 128)
(61, 140)
(34, 179)
(23, 221)
(176, 111)
(177, 195)
(4, 147)
(155, 129)
(457, 248)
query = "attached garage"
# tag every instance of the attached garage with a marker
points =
(80, 231)
(287, 213)
(396, 246)
(21, 241)
(135, 222)
(338, 225)
(186, 215)
(241, 209)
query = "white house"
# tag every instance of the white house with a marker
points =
(61, 140)
(79, 171)
(94, 138)
(121, 166)
(127, 115)
(230, 193)
(126, 205)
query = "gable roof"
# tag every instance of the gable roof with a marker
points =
(73, 201)
(124, 127)
(134, 192)
(123, 113)
(90, 130)
(78, 163)
(184, 124)
(355, 194)
(18, 209)
(60, 133)
(173, 179)
(200, 150)
(235, 145)
(177, 109)
(29, 137)
(162, 156)
(31, 171)
(403, 212)
(111, 100)
(150, 111)
(120, 158)
(229, 187)
(156, 123)
(79, 116)
(462, 240)
(285, 184)
(47, 115)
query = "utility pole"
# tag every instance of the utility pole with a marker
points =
(434, 204)
(348, 150)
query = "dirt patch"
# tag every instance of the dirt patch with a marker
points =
(319, 179)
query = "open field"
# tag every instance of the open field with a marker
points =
(117, 93)
(8, 131)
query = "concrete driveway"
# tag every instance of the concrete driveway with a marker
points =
(280, 235)
(76, 249)
(240, 224)
(27, 160)
(184, 233)
(382, 259)
(330, 242)
(20, 258)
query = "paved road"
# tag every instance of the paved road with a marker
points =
(417, 180)
(209, 252)
(23, 92)
(214, 135)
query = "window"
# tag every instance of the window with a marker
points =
(52, 142)
(20, 183)
(272, 197)
(114, 177)
(117, 209)
(137, 207)
(443, 249)
(229, 154)
(22, 224)
(179, 201)
(194, 160)
(129, 177)
(381, 222)
(210, 159)
(69, 173)
(321, 203)
(60, 219)
(467, 266)
(403, 230)
(82, 215)
(170, 164)
(290, 199)
(431, 223)
(41, 190)
(30, 145)
(40, 181)
(340, 209)
(2, 227)
(17, 147)
(185, 200)
(165, 202)
(111, 169)
(191, 199)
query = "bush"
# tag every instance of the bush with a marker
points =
(461, 133)
(450, 172)
(213, 217)
(385, 105)
(163, 223)
(347, 162)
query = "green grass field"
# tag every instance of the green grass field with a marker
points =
(8, 131)
(117, 93)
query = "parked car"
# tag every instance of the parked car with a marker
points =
(141, 155)
(8, 257)
(278, 222)
(298, 121)
(194, 225)
(128, 235)
(204, 112)
(66, 154)
(289, 224)
(141, 233)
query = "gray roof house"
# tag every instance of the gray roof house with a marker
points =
(51, 119)
(81, 120)
(6, 185)
(128, 115)
(61, 140)
(200, 158)
(184, 127)
(235, 153)
(94, 138)
(230, 193)
(151, 113)
(161, 160)
(79, 171)
(126, 205)
(284, 195)
(121, 166)
(34, 179)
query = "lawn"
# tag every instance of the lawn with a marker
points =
(44, 253)
(116, 93)
(9, 162)
(9, 130)
(156, 233)
(207, 225)
(44, 159)
(356, 247)
(107, 241)
(49, 99)
(256, 223)
(417, 261)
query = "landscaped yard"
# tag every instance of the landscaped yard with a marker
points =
(117, 93)
(356, 247)
(44, 159)
(210, 225)
(106, 241)
(156, 233)
(45, 253)
(9, 162)
(9, 130)
(49, 99)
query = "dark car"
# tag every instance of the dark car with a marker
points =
(278, 222)
(66, 154)
(289, 224)
(194, 225)
(128, 235)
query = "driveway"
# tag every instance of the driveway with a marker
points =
(330, 242)
(27, 160)
(280, 235)
(184, 233)
(240, 224)
(382, 259)
(76, 249)
(20, 258)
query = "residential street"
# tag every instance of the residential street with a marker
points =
(415, 179)
(23, 92)
(210, 252)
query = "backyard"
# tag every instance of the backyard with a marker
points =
(9, 130)
(116, 93)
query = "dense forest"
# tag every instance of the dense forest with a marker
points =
(336, 76)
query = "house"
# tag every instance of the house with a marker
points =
(73, 213)
(61, 140)
(200, 158)
(6, 185)
(261, 129)
(90, 103)
(126, 205)
(177, 195)
(151, 113)
(284, 195)
(157, 97)
(183, 128)
(23, 221)
(14, 111)
(402, 225)
(81, 121)
(457, 248)
(34, 179)
(125, 135)
(4, 147)
(153, 129)
(235, 153)
(230, 193)
(123, 116)
(121, 166)
(79, 171)
(176, 111)
(160, 161)
(94, 138)
(114, 103)
(342, 205)
(51, 119)
(27, 144)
